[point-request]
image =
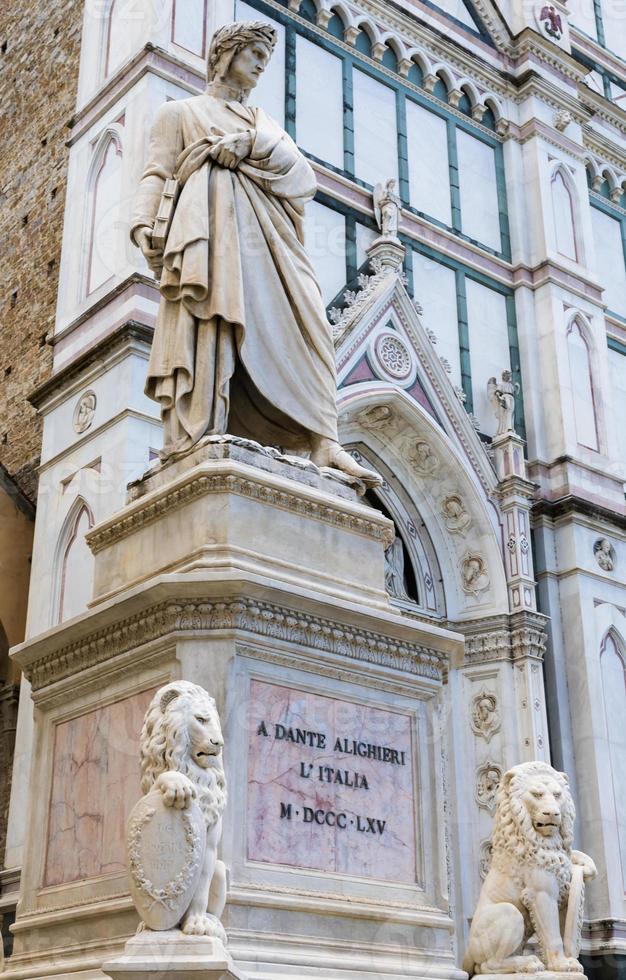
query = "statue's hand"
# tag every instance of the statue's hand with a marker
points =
(153, 256)
(231, 150)
(177, 789)
(588, 864)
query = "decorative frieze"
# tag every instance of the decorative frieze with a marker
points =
(248, 615)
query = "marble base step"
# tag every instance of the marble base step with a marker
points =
(172, 954)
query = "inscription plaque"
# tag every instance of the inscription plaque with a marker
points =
(330, 785)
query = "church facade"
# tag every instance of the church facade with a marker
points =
(503, 128)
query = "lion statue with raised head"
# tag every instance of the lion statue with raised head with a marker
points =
(535, 883)
(181, 755)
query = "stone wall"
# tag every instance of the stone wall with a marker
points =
(39, 52)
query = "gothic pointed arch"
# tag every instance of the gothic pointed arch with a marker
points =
(581, 359)
(566, 214)
(424, 467)
(613, 674)
(103, 192)
(73, 563)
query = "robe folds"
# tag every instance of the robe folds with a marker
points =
(242, 343)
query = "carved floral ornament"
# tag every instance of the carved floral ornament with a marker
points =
(485, 715)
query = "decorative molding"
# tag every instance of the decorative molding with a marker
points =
(198, 484)
(244, 614)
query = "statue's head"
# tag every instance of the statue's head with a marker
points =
(239, 53)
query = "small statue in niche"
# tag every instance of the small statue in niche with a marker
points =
(394, 570)
(604, 554)
(502, 397)
(387, 208)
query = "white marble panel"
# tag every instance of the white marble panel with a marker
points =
(319, 102)
(489, 346)
(434, 286)
(188, 25)
(614, 22)
(364, 238)
(582, 390)
(375, 129)
(478, 188)
(429, 183)
(325, 235)
(617, 404)
(270, 92)
(582, 15)
(610, 267)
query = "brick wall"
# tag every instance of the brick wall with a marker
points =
(39, 51)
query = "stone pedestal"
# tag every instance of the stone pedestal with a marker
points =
(172, 955)
(261, 579)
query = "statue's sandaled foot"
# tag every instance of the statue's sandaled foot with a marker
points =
(331, 454)
(203, 924)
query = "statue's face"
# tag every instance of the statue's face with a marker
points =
(249, 64)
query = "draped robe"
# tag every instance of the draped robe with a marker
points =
(242, 343)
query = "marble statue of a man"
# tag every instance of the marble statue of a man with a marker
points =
(242, 343)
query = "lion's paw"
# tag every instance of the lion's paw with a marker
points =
(532, 964)
(178, 791)
(564, 964)
(204, 925)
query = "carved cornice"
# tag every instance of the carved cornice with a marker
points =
(528, 635)
(130, 332)
(505, 637)
(266, 619)
(199, 484)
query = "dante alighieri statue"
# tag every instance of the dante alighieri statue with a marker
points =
(242, 343)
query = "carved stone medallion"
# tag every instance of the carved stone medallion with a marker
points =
(604, 554)
(421, 457)
(375, 417)
(84, 411)
(488, 777)
(474, 577)
(165, 855)
(484, 861)
(455, 516)
(485, 716)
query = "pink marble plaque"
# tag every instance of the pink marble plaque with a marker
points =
(95, 784)
(330, 785)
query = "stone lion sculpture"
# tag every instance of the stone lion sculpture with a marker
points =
(181, 757)
(535, 883)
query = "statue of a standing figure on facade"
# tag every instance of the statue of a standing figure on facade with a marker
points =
(242, 343)
(502, 397)
(387, 208)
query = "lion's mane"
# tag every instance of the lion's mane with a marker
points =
(165, 745)
(515, 842)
